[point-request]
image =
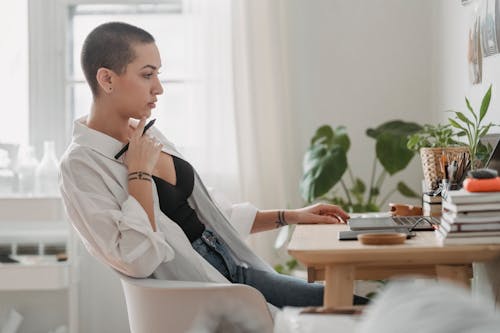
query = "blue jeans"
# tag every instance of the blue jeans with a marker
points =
(278, 289)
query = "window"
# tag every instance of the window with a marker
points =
(169, 24)
(14, 86)
(196, 110)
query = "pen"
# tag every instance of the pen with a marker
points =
(124, 149)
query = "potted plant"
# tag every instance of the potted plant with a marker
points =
(437, 145)
(432, 136)
(473, 129)
(326, 165)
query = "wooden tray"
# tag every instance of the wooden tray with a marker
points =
(382, 239)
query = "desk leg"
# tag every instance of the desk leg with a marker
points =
(339, 285)
(459, 274)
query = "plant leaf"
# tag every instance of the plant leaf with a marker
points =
(483, 152)
(396, 127)
(457, 125)
(470, 108)
(406, 190)
(392, 152)
(323, 134)
(484, 130)
(341, 138)
(323, 168)
(359, 187)
(463, 118)
(485, 104)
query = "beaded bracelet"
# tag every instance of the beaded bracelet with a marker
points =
(281, 219)
(141, 175)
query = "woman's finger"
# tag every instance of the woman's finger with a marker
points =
(139, 129)
(334, 210)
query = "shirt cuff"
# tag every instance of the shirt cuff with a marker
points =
(138, 220)
(243, 217)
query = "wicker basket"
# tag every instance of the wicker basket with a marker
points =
(431, 162)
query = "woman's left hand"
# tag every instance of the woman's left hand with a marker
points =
(316, 214)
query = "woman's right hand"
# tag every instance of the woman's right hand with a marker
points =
(143, 151)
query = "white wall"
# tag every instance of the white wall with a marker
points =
(451, 82)
(358, 64)
(450, 72)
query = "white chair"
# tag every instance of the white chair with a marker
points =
(155, 306)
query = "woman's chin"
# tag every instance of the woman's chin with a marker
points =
(144, 114)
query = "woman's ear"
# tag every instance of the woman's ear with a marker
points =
(104, 78)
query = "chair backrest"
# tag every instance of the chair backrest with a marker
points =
(179, 306)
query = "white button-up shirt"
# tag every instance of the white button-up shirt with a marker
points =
(115, 228)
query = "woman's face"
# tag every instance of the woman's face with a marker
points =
(135, 91)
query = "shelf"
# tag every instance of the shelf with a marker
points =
(31, 208)
(34, 276)
(46, 232)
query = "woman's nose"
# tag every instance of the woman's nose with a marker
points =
(158, 87)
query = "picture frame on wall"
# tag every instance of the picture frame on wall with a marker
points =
(490, 27)
(474, 52)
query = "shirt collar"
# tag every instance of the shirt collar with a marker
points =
(98, 141)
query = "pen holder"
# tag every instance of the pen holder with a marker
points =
(432, 166)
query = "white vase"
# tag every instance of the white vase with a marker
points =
(7, 176)
(47, 172)
(26, 169)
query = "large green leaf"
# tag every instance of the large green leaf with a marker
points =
(406, 190)
(392, 152)
(391, 144)
(323, 168)
(323, 134)
(396, 127)
(341, 138)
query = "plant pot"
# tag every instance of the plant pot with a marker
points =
(431, 162)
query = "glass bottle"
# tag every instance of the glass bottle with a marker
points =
(47, 172)
(26, 169)
(7, 176)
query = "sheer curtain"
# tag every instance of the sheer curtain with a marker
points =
(215, 154)
(262, 118)
(241, 99)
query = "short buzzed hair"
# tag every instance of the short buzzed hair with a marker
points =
(110, 46)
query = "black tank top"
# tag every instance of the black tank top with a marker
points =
(173, 199)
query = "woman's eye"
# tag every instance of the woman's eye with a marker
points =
(148, 76)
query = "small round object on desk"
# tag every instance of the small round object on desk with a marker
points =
(390, 238)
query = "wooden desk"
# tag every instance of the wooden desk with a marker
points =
(339, 263)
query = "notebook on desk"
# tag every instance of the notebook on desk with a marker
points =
(417, 223)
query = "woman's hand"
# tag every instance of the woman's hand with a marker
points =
(143, 151)
(316, 214)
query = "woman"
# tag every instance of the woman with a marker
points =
(147, 212)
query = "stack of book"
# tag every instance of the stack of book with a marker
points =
(431, 205)
(470, 218)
